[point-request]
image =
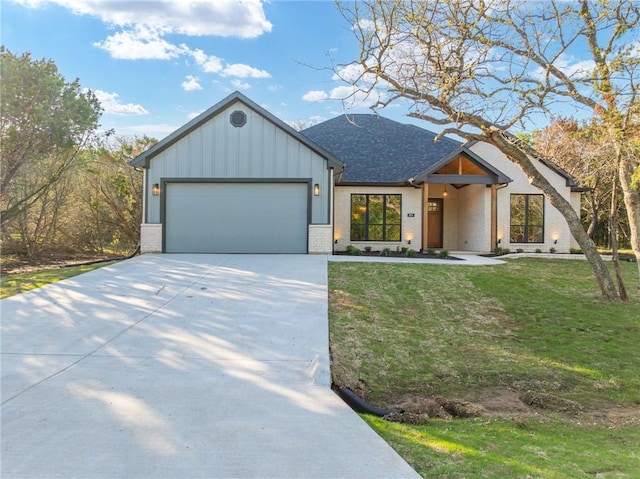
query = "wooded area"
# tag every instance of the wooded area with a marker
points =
(67, 188)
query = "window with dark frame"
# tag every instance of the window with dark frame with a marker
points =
(376, 217)
(527, 219)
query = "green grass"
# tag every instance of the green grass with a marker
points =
(21, 282)
(499, 448)
(536, 329)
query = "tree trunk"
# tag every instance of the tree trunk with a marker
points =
(614, 236)
(519, 157)
(631, 198)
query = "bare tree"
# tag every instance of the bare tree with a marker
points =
(483, 68)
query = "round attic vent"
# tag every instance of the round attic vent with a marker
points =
(238, 118)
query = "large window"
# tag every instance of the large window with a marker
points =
(376, 217)
(527, 219)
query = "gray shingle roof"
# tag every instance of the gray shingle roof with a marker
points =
(378, 150)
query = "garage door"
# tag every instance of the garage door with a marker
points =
(236, 218)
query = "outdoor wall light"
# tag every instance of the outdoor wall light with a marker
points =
(316, 190)
(555, 241)
(445, 191)
(499, 240)
(155, 189)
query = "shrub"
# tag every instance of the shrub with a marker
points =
(404, 250)
(444, 253)
(552, 250)
(353, 251)
(431, 251)
(411, 253)
(575, 250)
(367, 249)
(502, 251)
(538, 250)
(519, 250)
(385, 252)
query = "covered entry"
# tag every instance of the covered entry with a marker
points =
(230, 217)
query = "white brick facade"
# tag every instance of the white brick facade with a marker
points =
(555, 226)
(150, 238)
(411, 225)
(320, 239)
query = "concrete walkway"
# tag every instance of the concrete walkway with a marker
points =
(463, 260)
(180, 366)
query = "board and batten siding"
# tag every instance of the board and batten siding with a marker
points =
(256, 151)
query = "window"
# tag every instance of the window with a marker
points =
(527, 219)
(376, 217)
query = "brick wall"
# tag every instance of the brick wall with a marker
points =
(150, 238)
(320, 239)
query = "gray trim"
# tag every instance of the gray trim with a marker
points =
(163, 196)
(143, 158)
(496, 174)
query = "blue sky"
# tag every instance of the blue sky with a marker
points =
(156, 66)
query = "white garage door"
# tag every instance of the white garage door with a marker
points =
(236, 218)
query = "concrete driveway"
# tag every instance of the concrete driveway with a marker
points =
(180, 366)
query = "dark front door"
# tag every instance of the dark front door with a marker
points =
(434, 235)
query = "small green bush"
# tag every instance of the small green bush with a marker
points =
(367, 249)
(538, 250)
(552, 250)
(353, 251)
(502, 251)
(444, 253)
(575, 250)
(431, 251)
(385, 252)
(404, 250)
(411, 253)
(519, 250)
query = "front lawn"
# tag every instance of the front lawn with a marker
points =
(17, 283)
(552, 369)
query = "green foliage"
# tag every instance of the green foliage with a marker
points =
(575, 251)
(353, 250)
(411, 253)
(443, 253)
(45, 120)
(431, 251)
(367, 249)
(385, 252)
(538, 250)
(552, 250)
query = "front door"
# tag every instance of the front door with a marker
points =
(434, 235)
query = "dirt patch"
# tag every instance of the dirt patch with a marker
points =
(508, 404)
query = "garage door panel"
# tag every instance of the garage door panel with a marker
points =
(236, 218)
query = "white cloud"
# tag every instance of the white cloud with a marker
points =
(350, 96)
(111, 104)
(140, 43)
(226, 18)
(191, 83)
(240, 85)
(193, 114)
(240, 70)
(315, 95)
(569, 66)
(208, 63)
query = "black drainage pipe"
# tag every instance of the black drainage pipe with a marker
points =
(360, 405)
(105, 260)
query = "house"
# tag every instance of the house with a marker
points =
(236, 179)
